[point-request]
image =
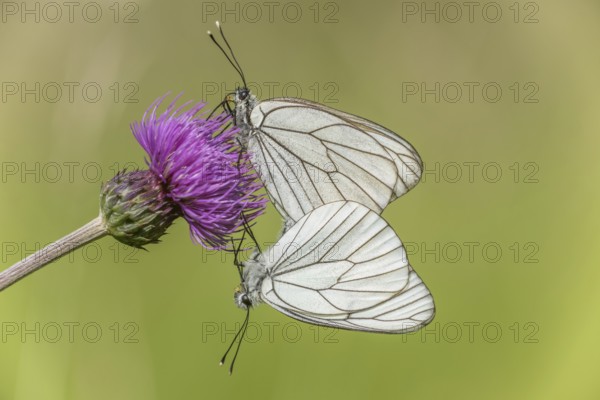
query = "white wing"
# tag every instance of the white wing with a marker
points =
(309, 155)
(343, 266)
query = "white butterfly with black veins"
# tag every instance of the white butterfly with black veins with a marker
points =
(342, 266)
(308, 154)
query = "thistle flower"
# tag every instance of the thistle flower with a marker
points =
(196, 171)
(201, 171)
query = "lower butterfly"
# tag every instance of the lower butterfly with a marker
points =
(340, 266)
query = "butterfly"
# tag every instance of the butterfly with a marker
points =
(341, 266)
(308, 154)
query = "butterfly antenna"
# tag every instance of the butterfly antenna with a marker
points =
(224, 52)
(235, 65)
(241, 331)
(237, 350)
(239, 67)
(231, 345)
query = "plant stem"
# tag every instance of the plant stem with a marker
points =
(93, 230)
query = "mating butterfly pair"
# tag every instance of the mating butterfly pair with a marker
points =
(330, 174)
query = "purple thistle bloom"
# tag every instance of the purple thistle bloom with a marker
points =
(201, 170)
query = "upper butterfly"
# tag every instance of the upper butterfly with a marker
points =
(308, 154)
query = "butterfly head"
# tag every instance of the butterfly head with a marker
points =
(241, 297)
(241, 94)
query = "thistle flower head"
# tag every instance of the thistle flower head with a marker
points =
(200, 171)
(134, 208)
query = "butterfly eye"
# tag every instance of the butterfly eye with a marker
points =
(243, 93)
(241, 297)
(246, 300)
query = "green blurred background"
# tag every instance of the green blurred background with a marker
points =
(509, 258)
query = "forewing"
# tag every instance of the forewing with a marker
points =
(407, 160)
(308, 155)
(345, 267)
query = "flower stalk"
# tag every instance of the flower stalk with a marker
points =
(95, 229)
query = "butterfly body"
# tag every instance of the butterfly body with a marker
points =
(245, 102)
